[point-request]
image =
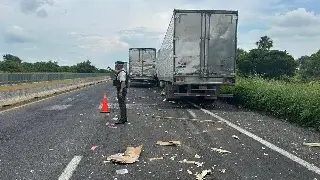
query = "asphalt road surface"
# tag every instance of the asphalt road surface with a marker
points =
(53, 139)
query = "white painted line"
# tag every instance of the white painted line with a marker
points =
(192, 113)
(67, 173)
(298, 160)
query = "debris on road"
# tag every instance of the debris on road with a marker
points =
(221, 151)
(312, 144)
(234, 136)
(122, 171)
(130, 156)
(197, 156)
(219, 129)
(93, 148)
(189, 172)
(156, 158)
(222, 170)
(199, 164)
(203, 174)
(169, 143)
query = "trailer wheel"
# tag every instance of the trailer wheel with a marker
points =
(161, 84)
(169, 92)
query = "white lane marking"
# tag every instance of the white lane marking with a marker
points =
(192, 113)
(68, 171)
(298, 160)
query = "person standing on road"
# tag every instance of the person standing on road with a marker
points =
(121, 85)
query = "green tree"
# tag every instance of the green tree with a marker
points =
(265, 43)
(9, 57)
(269, 64)
(85, 67)
(27, 67)
(309, 66)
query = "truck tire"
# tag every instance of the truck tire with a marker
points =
(169, 92)
(161, 84)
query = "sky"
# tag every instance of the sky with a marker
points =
(72, 31)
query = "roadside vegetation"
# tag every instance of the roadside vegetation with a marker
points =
(13, 64)
(274, 82)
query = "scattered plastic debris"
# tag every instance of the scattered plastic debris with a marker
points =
(164, 99)
(234, 136)
(189, 172)
(222, 171)
(221, 151)
(115, 118)
(197, 156)
(130, 156)
(93, 148)
(113, 127)
(219, 129)
(199, 164)
(312, 144)
(169, 143)
(203, 174)
(122, 171)
(156, 158)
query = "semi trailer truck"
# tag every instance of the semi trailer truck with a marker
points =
(198, 53)
(142, 66)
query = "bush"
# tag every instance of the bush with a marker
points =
(293, 101)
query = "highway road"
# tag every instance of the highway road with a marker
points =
(53, 139)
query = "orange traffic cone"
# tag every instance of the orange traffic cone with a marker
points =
(105, 104)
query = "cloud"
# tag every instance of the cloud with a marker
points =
(42, 13)
(295, 31)
(103, 30)
(32, 6)
(16, 34)
(99, 42)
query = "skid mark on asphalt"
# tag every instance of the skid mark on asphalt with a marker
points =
(71, 167)
(294, 158)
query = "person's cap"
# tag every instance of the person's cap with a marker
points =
(119, 62)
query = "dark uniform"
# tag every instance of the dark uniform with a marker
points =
(121, 76)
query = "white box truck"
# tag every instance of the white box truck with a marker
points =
(142, 66)
(198, 53)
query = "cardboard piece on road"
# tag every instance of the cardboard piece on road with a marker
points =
(203, 174)
(312, 144)
(130, 156)
(169, 143)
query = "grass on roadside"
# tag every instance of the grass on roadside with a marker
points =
(296, 102)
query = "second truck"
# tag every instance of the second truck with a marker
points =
(142, 66)
(198, 53)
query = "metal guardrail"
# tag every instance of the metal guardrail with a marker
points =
(13, 78)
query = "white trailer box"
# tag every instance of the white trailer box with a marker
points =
(142, 65)
(198, 53)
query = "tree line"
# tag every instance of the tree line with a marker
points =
(13, 64)
(276, 64)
